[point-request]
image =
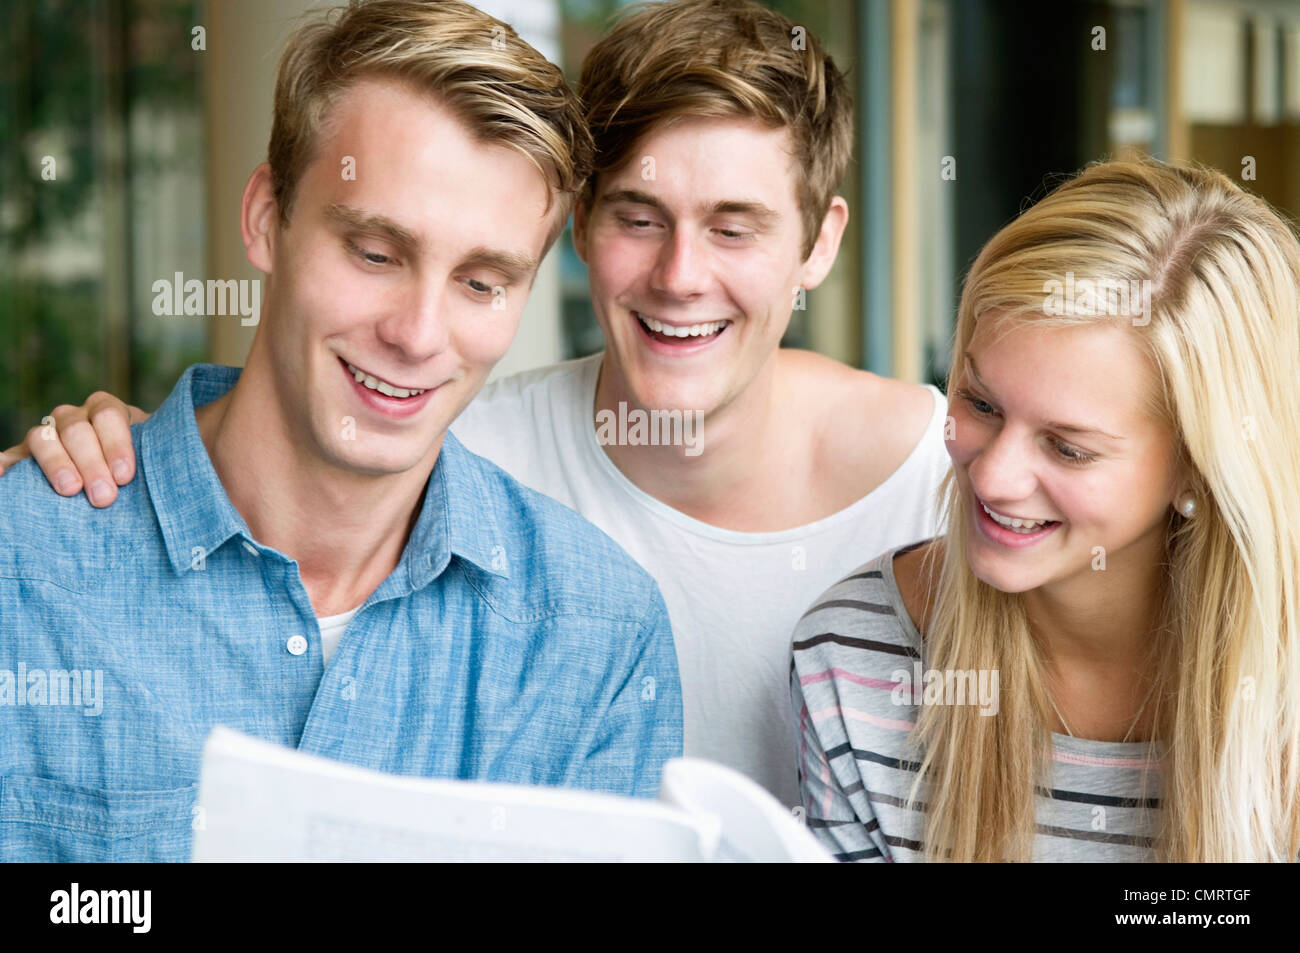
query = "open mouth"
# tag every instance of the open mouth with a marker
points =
(1016, 524)
(681, 335)
(1012, 530)
(388, 389)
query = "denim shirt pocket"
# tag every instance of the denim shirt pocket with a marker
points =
(51, 821)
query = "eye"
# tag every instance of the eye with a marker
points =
(1072, 454)
(369, 257)
(632, 223)
(981, 407)
(479, 286)
(734, 234)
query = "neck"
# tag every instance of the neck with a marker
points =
(1098, 633)
(1103, 618)
(347, 531)
(739, 476)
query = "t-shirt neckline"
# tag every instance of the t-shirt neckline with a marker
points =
(586, 409)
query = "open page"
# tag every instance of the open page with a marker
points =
(753, 825)
(262, 802)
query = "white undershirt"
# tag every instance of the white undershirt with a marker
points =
(331, 630)
(733, 598)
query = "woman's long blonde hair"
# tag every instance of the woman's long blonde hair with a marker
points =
(1224, 333)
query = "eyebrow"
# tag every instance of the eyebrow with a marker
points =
(763, 213)
(514, 265)
(1050, 424)
(357, 220)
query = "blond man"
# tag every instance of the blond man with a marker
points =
(306, 554)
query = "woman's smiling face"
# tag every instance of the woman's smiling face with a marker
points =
(1053, 433)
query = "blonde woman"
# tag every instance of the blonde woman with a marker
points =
(1099, 659)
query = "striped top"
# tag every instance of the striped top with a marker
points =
(856, 656)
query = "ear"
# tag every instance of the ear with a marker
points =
(1184, 481)
(827, 246)
(259, 218)
(580, 229)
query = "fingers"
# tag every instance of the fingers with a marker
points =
(11, 456)
(67, 449)
(111, 419)
(83, 447)
(43, 444)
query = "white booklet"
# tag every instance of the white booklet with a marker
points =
(260, 801)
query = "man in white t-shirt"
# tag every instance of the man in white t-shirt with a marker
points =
(745, 477)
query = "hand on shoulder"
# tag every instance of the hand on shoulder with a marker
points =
(87, 447)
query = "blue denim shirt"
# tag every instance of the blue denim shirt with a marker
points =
(514, 642)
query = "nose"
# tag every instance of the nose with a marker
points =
(1002, 470)
(417, 323)
(680, 270)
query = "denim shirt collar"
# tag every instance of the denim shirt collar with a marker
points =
(196, 516)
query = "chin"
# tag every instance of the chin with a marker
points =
(1003, 577)
(374, 456)
(660, 391)
(662, 397)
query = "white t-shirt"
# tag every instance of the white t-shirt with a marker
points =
(331, 631)
(733, 598)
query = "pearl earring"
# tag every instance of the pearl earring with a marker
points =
(1187, 505)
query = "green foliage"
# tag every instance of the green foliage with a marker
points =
(72, 75)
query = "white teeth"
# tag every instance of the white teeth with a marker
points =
(692, 330)
(383, 387)
(1014, 524)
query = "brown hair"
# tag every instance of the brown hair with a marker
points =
(499, 86)
(723, 59)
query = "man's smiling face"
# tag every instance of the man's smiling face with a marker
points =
(392, 293)
(694, 268)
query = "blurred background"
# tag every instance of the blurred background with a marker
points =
(127, 133)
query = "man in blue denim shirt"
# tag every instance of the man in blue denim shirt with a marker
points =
(494, 634)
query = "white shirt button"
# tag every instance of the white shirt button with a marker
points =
(296, 645)
(252, 550)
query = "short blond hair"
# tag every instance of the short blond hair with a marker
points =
(721, 59)
(504, 91)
